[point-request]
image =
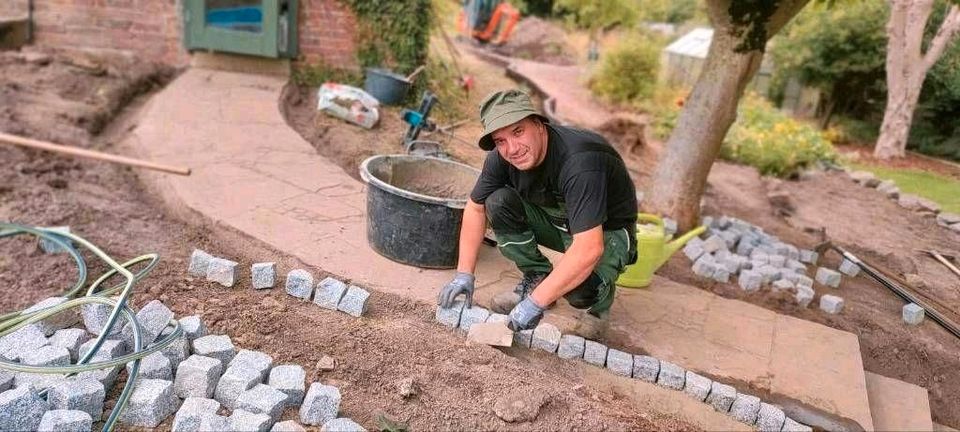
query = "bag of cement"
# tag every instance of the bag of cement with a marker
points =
(348, 103)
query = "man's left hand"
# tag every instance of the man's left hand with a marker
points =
(525, 315)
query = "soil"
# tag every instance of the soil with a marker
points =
(458, 383)
(538, 40)
(861, 221)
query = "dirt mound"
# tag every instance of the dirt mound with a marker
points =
(538, 40)
(68, 97)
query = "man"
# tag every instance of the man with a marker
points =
(564, 188)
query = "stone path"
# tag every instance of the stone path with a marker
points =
(254, 174)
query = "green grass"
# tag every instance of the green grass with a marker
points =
(940, 189)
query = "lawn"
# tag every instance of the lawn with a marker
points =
(940, 189)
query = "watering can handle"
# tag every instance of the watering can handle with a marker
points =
(646, 217)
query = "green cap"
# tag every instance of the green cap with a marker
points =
(504, 108)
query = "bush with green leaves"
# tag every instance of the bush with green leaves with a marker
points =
(772, 142)
(628, 73)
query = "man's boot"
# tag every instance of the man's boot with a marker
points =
(579, 322)
(504, 302)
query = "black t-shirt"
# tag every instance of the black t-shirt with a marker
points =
(581, 175)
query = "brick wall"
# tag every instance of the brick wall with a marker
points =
(152, 28)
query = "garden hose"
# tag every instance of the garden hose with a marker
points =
(13, 321)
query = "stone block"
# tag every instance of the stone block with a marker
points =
(300, 284)
(21, 409)
(546, 337)
(947, 219)
(791, 425)
(46, 356)
(471, 316)
(782, 285)
(95, 317)
(693, 251)
(71, 339)
(199, 263)
(913, 314)
(523, 338)
(213, 422)
(804, 281)
(154, 366)
(797, 266)
(197, 376)
(263, 275)
(705, 266)
(288, 426)
(721, 274)
(671, 376)
(571, 347)
(750, 280)
(722, 222)
(343, 425)
(620, 363)
(744, 408)
(81, 394)
(237, 379)
(496, 317)
(219, 347)
(38, 381)
(849, 268)
(354, 302)
(450, 317)
(153, 318)
(255, 360)
(62, 320)
(744, 247)
(189, 415)
(770, 418)
(804, 296)
(669, 226)
(329, 292)
(222, 271)
(25, 339)
(721, 396)
(759, 258)
(65, 421)
(151, 402)
(828, 277)
(730, 237)
(6, 380)
(178, 350)
(321, 404)
(241, 420)
(290, 380)
(889, 189)
(714, 243)
(595, 353)
(193, 327)
(697, 386)
(646, 368)
(809, 257)
(769, 273)
(110, 349)
(263, 399)
(777, 260)
(831, 304)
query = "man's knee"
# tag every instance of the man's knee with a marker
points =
(504, 208)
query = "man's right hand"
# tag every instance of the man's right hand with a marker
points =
(462, 283)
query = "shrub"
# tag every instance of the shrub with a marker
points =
(664, 108)
(772, 142)
(628, 72)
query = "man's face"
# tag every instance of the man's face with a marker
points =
(522, 144)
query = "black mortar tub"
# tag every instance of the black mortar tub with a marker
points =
(415, 207)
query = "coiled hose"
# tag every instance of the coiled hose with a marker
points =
(13, 321)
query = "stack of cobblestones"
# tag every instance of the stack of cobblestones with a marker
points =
(194, 380)
(732, 248)
(743, 407)
(329, 293)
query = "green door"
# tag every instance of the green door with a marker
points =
(264, 28)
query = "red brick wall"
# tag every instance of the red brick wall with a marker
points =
(152, 28)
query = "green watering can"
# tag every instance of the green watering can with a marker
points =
(653, 249)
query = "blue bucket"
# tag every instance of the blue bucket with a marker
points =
(388, 87)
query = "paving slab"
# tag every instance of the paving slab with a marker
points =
(735, 341)
(897, 405)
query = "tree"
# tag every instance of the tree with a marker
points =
(741, 31)
(597, 16)
(840, 51)
(907, 67)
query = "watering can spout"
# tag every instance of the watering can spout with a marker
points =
(678, 243)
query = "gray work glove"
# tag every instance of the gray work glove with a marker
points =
(525, 315)
(462, 283)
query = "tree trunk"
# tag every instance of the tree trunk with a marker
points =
(681, 173)
(907, 68)
(708, 112)
(827, 113)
